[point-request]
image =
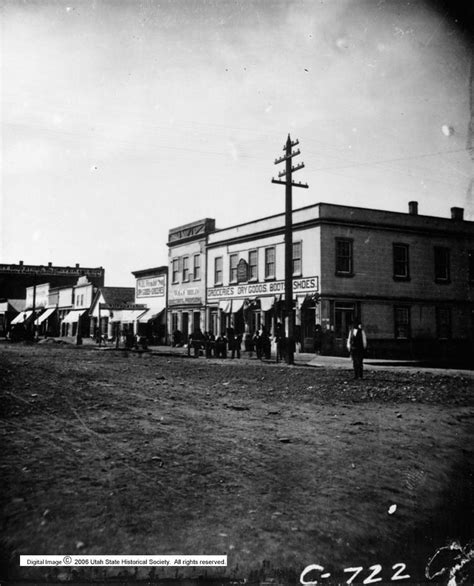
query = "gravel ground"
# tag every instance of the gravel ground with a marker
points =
(107, 452)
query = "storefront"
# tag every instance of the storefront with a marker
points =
(249, 308)
(187, 280)
(151, 291)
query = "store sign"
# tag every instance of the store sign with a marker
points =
(300, 287)
(151, 287)
(185, 295)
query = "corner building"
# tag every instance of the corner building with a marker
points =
(409, 278)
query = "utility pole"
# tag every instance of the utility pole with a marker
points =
(287, 174)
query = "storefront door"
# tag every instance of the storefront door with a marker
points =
(196, 321)
(185, 326)
(343, 318)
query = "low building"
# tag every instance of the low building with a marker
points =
(107, 302)
(16, 278)
(151, 289)
(9, 311)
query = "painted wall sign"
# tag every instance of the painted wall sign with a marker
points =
(242, 271)
(186, 301)
(300, 287)
(151, 287)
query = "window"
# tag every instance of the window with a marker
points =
(400, 262)
(253, 265)
(270, 263)
(297, 259)
(175, 270)
(443, 323)
(344, 261)
(218, 270)
(197, 267)
(441, 262)
(470, 256)
(233, 258)
(402, 322)
(185, 269)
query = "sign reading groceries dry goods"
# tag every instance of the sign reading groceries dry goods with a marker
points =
(151, 287)
(300, 287)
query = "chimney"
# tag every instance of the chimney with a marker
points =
(413, 208)
(77, 265)
(457, 213)
(50, 264)
(21, 263)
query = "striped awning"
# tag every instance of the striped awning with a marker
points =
(21, 317)
(73, 316)
(44, 316)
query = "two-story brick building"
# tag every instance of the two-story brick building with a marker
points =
(408, 277)
(187, 278)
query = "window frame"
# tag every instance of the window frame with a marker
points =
(297, 273)
(220, 270)
(175, 271)
(185, 269)
(405, 262)
(440, 324)
(233, 269)
(253, 278)
(397, 324)
(338, 271)
(446, 278)
(268, 275)
(196, 267)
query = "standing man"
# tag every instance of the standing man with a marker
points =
(356, 345)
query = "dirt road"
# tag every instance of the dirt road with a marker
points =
(278, 467)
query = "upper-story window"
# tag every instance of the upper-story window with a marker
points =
(297, 258)
(185, 269)
(175, 270)
(344, 257)
(402, 322)
(253, 265)
(197, 267)
(233, 260)
(218, 270)
(470, 258)
(400, 262)
(441, 264)
(270, 263)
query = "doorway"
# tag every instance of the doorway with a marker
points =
(344, 314)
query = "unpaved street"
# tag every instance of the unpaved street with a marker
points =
(278, 467)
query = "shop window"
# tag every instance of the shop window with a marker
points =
(233, 259)
(470, 257)
(253, 265)
(185, 269)
(297, 258)
(441, 264)
(197, 267)
(343, 319)
(402, 323)
(400, 262)
(270, 263)
(443, 323)
(175, 270)
(218, 270)
(344, 257)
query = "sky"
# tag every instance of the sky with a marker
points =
(123, 119)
